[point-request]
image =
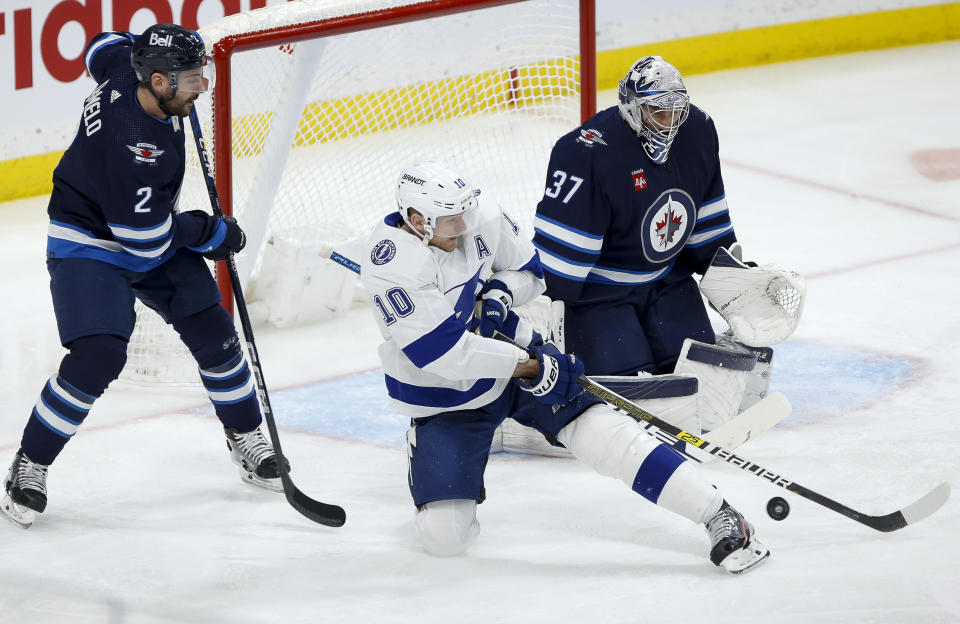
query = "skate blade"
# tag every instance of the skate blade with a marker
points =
(251, 479)
(747, 558)
(21, 516)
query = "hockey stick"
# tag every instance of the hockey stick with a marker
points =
(911, 514)
(323, 513)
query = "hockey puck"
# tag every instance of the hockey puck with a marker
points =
(778, 508)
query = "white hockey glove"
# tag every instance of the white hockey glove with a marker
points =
(557, 382)
(495, 301)
(762, 305)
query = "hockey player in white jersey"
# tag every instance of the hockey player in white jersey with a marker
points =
(424, 268)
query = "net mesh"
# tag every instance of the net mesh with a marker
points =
(321, 128)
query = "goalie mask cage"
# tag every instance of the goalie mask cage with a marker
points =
(318, 105)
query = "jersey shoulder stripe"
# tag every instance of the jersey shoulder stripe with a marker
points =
(98, 44)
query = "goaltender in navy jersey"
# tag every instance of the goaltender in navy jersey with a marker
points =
(116, 187)
(611, 220)
(424, 301)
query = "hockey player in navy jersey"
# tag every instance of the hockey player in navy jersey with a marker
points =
(634, 205)
(115, 234)
(424, 268)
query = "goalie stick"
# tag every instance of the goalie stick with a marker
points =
(322, 513)
(911, 514)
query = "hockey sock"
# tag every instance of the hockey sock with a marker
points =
(213, 341)
(66, 399)
(232, 392)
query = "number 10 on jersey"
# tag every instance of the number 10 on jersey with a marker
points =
(397, 301)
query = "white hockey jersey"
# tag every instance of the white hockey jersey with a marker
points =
(424, 301)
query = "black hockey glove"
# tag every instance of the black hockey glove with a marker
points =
(232, 241)
(495, 301)
(557, 382)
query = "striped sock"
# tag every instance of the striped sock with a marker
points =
(57, 415)
(232, 391)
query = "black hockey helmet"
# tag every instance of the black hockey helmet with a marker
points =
(169, 49)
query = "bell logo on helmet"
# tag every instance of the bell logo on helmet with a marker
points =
(157, 40)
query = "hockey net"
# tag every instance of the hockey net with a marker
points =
(317, 106)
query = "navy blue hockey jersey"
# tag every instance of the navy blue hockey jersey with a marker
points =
(611, 220)
(115, 189)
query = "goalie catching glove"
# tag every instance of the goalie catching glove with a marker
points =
(762, 305)
(557, 382)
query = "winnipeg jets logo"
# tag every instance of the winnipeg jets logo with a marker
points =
(114, 95)
(667, 225)
(671, 224)
(591, 137)
(145, 153)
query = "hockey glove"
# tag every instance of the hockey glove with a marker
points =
(557, 382)
(495, 301)
(233, 240)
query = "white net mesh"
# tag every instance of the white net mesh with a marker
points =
(321, 128)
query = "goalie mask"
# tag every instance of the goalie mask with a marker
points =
(440, 195)
(654, 103)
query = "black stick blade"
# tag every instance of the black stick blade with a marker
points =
(321, 513)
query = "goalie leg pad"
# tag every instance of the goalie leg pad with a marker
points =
(447, 528)
(617, 446)
(758, 383)
(722, 371)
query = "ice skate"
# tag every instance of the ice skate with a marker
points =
(732, 544)
(256, 458)
(25, 491)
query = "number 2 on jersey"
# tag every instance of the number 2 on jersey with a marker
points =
(146, 192)
(398, 301)
(559, 177)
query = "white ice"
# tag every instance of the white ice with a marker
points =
(148, 521)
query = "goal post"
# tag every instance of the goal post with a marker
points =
(318, 104)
